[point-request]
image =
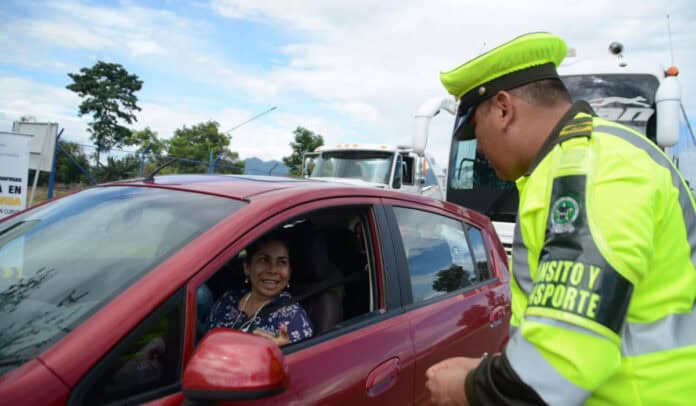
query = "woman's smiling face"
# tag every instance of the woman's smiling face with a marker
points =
(268, 269)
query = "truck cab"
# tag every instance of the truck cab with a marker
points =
(382, 166)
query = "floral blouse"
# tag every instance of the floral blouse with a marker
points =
(225, 313)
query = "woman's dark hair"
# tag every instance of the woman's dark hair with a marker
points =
(272, 236)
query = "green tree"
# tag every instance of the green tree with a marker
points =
(194, 144)
(145, 138)
(66, 170)
(305, 141)
(108, 93)
(448, 280)
(118, 168)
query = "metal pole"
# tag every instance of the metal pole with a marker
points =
(211, 164)
(91, 179)
(52, 176)
(142, 159)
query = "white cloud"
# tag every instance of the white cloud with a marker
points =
(21, 97)
(266, 137)
(169, 43)
(371, 63)
(377, 61)
(357, 110)
(140, 48)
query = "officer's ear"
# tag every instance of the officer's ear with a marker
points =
(503, 109)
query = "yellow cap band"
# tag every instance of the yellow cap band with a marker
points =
(521, 53)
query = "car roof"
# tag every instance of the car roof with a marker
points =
(241, 187)
(250, 187)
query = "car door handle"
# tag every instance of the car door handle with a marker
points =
(496, 317)
(382, 378)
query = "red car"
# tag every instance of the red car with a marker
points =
(105, 292)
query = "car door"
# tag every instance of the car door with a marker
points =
(455, 301)
(368, 359)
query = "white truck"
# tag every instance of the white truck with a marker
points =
(384, 166)
(642, 96)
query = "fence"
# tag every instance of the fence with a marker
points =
(76, 166)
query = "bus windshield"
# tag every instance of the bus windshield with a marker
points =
(471, 170)
(628, 99)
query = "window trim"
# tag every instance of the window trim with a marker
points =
(405, 276)
(77, 396)
(378, 261)
(491, 273)
(391, 278)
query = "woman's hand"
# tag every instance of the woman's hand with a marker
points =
(281, 339)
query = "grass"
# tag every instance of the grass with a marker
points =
(41, 194)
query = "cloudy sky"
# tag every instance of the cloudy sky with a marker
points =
(353, 71)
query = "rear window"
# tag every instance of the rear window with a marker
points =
(63, 261)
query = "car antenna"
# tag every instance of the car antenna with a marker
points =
(151, 176)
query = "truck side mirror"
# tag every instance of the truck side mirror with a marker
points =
(668, 106)
(398, 173)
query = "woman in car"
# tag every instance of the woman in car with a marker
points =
(267, 270)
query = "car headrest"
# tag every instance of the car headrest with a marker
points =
(311, 263)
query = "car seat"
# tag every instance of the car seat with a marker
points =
(312, 269)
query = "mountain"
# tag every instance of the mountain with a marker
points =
(255, 166)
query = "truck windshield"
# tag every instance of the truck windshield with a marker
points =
(369, 166)
(62, 261)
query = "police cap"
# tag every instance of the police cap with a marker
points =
(525, 59)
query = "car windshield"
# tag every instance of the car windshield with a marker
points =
(370, 166)
(63, 261)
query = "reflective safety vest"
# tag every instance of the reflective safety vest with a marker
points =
(604, 272)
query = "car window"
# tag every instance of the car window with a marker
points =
(437, 252)
(73, 255)
(147, 361)
(478, 246)
(332, 276)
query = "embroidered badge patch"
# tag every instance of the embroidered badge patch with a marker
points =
(564, 212)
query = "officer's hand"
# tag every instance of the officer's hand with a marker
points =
(445, 380)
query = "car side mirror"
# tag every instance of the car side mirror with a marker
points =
(230, 365)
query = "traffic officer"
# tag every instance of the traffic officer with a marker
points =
(604, 253)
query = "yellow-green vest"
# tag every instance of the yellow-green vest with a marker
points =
(604, 272)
